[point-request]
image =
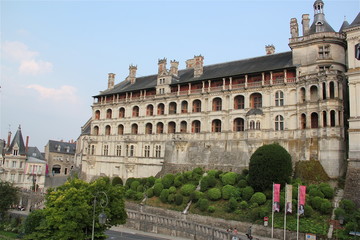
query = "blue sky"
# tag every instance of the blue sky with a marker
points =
(55, 55)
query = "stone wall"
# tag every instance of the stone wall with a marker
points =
(352, 183)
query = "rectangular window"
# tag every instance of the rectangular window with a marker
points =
(20, 177)
(157, 151)
(13, 164)
(15, 153)
(324, 52)
(147, 151)
(118, 150)
(106, 150)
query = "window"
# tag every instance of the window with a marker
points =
(238, 125)
(161, 90)
(324, 52)
(15, 152)
(67, 149)
(122, 112)
(97, 115)
(195, 126)
(239, 102)
(134, 129)
(171, 127)
(216, 125)
(332, 90)
(184, 107)
(108, 113)
(118, 150)
(135, 112)
(148, 128)
(12, 177)
(303, 121)
(324, 119)
(107, 130)
(172, 108)
(96, 130)
(279, 123)
(20, 177)
(66, 171)
(314, 93)
(56, 169)
(302, 95)
(147, 151)
(332, 118)
(157, 151)
(183, 127)
(324, 90)
(160, 128)
(13, 164)
(252, 125)
(217, 104)
(255, 100)
(92, 149)
(257, 125)
(314, 120)
(196, 106)
(161, 109)
(121, 129)
(279, 98)
(21, 164)
(132, 150)
(106, 150)
(150, 110)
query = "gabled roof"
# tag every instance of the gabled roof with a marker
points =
(34, 152)
(61, 147)
(19, 141)
(246, 66)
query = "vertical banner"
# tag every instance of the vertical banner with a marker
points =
(276, 198)
(301, 200)
(288, 200)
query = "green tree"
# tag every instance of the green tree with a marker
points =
(9, 196)
(69, 210)
(269, 164)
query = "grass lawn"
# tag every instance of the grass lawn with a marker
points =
(7, 235)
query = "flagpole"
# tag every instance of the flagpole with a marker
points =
(285, 212)
(272, 214)
(298, 206)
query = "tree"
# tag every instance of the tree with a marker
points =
(68, 212)
(9, 196)
(269, 164)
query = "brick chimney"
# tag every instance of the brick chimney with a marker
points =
(305, 24)
(162, 66)
(198, 66)
(111, 80)
(27, 144)
(9, 139)
(174, 69)
(270, 49)
(132, 74)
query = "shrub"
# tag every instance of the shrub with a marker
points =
(243, 205)
(264, 212)
(339, 212)
(168, 180)
(242, 183)
(207, 182)
(172, 189)
(308, 211)
(212, 173)
(269, 163)
(229, 178)
(211, 209)
(164, 195)
(258, 198)
(232, 205)
(171, 198)
(187, 189)
(269, 194)
(325, 206)
(203, 204)
(196, 195)
(178, 181)
(128, 182)
(327, 191)
(247, 193)
(130, 194)
(158, 180)
(179, 199)
(255, 214)
(245, 172)
(139, 196)
(140, 188)
(229, 191)
(158, 187)
(316, 202)
(198, 171)
(150, 181)
(214, 194)
(316, 192)
(117, 181)
(150, 192)
(347, 205)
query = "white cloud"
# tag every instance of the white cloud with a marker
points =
(28, 60)
(64, 93)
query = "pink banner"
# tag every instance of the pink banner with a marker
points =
(302, 196)
(276, 197)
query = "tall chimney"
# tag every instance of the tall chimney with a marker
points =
(190, 63)
(161, 66)
(27, 144)
(198, 66)
(9, 139)
(270, 49)
(111, 80)
(174, 68)
(305, 24)
(132, 73)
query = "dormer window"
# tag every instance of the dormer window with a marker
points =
(15, 152)
(67, 149)
(58, 148)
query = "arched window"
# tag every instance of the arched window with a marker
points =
(332, 90)
(109, 113)
(122, 112)
(314, 120)
(96, 130)
(134, 129)
(184, 107)
(324, 115)
(279, 123)
(171, 127)
(135, 111)
(216, 125)
(217, 104)
(302, 94)
(183, 126)
(252, 124)
(121, 129)
(148, 128)
(314, 93)
(239, 125)
(255, 100)
(195, 126)
(160, 109)
(332, 118)
(324, 90)
(160, 127)
(279, 98)
(172, 108)
(149, 110)
(239, 102)
(196, 106)
(107, 130)
(97, 115)
(258, 125)
(303, 121)
(56, 169)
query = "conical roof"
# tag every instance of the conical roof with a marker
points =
(356, 21)
(19, 141)
(344, 25)
(320, 24)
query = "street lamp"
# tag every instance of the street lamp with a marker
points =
(102, 215)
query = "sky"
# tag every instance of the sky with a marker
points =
(56, 55)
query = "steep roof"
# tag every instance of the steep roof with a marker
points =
(344, 25)
(19, 141)
(356, 21)
(34, 152)
(320, 19)
(62, 147)
(240, 67)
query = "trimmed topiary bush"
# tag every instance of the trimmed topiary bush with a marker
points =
(308, 211)
(128, 182)
(150, 192)
(316, 192)
(134, 185)
(327, 191)
(117, 181)
(247, 193)
(269, 164)
(150, 181)
(164, 195)
(196, 195)
(212, 173)
(171, 198)
(242, 183)
(232, 205)
(139, 196)
(229, 191)
(203, 204)
(347, 205)
(258, 198)
(214, 194)
(229, 178)
(243, 205)
(172, 189)
(130, 194)
(316, 202)
(168, 180)
(207, 182)
(187, 189)
(325, 206)
(198, 171)
(211, 209)
(158, 187)
(178, 181)
(179, 199)
(140, 188)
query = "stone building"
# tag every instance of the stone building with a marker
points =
(60, 157)
(216, 116)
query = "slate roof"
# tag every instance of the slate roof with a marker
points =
(356, 21)
(240, 67)
(55, 146)
(344, 25)
(34, 152)
(18, 139)
(320, 17)
(35, 160)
